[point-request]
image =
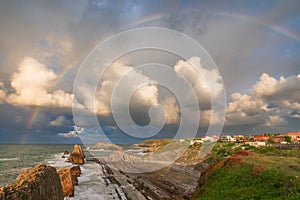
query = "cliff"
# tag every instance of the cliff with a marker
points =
(40, 182)
(153, 145)
(247, 175)
(106, 146)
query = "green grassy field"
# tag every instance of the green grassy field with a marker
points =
(266, 173)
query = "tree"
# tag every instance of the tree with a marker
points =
(270, 140)
(287, 139)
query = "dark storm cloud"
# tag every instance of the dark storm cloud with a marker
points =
(59, 34)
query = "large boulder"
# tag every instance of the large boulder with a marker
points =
(66, 152)
(75, 172)
(77, 156)
(40, 182)
(106, 146)
(68, 178)
(66, 182)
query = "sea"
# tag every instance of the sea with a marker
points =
(16, 158)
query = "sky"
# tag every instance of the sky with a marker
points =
(254, 44)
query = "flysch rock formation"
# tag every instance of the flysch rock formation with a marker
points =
(40, 182)
(68, 178)
(106, 146)
(77, 156)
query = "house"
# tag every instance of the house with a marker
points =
(260, 138)
(278, 138)
(215, 137)
(210, 138)
(295, 136)
(196, 141)
(239, 138)
(256, 144)
(227, 138)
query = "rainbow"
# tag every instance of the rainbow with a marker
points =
(61, 75)
(32, 118)
(146, 21)
(273, 27)
(35, 112)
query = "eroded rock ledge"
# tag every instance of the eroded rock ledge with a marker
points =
(40, 182)
(68, 178)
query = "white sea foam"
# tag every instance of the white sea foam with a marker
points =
(58, 161)
(91, 183)
(9, 159)
(93, 186)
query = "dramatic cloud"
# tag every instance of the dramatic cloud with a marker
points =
(172, 110)
(206, 83)
(276, 121)
(33, 86)
(270, 102)
(245, 110)
(282, 95)
(145, 93)
(131, 80)
(244, 41)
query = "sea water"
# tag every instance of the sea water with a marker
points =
(15, 158)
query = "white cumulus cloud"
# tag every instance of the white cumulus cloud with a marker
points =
(270, 102)
(33, 84)
(206, 83)
(146, 95)
(73, 133)
(59, 121)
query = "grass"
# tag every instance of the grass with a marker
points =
(258, 176)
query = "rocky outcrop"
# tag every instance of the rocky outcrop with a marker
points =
(153, 145)
(75, 172)
(106, 146)
(77, 156)
(2, 194)
(68, 178)
(66, 182)
(40, 182)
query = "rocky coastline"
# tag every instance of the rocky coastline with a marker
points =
(46, 182)
(176, 181)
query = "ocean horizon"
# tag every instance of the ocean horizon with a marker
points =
(14, 158)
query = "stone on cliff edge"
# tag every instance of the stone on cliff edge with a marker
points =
(66, 182)
(75, 172)
(40, 182)
(68, 178)
(77, 155)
